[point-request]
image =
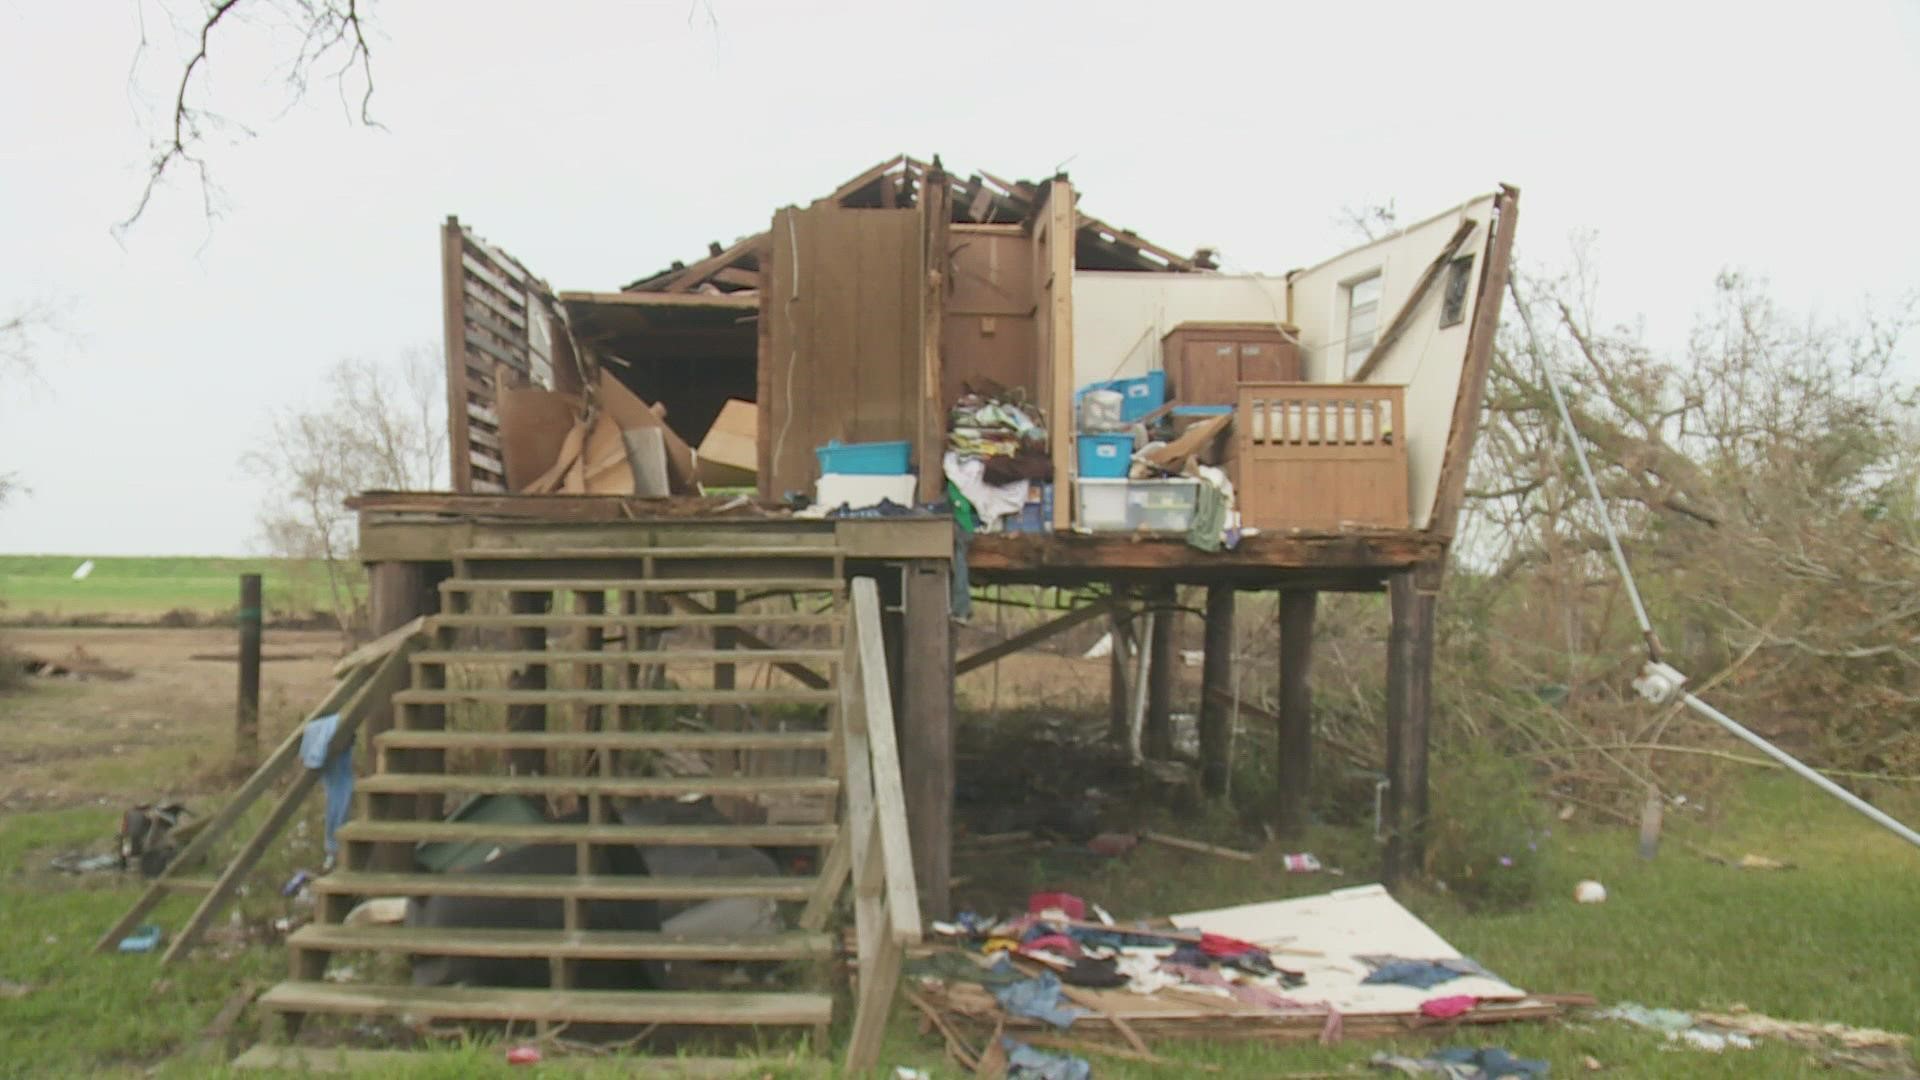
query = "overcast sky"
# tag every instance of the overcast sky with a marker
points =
(598, 141)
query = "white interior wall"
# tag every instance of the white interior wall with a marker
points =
(1428, 358)
(1119, 316)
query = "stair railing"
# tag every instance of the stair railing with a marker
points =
(886, 902)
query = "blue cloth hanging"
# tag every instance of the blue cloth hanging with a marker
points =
(336, 774)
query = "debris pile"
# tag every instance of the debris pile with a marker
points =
(1065, 974)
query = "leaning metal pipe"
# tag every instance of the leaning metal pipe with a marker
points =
(1733, 727)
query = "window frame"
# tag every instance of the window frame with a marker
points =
(1349, 361)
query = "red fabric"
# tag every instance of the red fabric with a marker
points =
(1222, 945)
(1075, 907)
(1059, 943)
(1447, 1008)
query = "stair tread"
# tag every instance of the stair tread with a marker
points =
(584, 886)
(603, 584)
(716, 551)
(614, 619)
(585, 1006)
(390, 782)
(798, 695)
(573, 944)
(636, 656)
(556, 833)
(319, 1060)
(588, 740)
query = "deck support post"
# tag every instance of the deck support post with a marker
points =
(1120, 634)
(925, 721)
(1412, 596)
(1157, 738)
(1216, 691)
(1295, 772)
(398, 593)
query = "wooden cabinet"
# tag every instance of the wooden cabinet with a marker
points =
(1206, 362)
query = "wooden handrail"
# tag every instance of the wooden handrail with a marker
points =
(886, 901)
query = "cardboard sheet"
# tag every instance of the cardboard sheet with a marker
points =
(1323, 936)
(627, 411)
(730, 453)
(534, 424)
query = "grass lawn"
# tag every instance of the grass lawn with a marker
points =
(1831, 939)
(141, 586)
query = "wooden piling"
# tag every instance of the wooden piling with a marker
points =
(1216, 676)
(1297, 610)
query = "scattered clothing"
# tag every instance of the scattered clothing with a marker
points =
(336, 775)
(1446, 1008)
(1025, 1062)
(1038, 998)
(990, 501)
(958, 967)
(1066, 903)
(1419, 974)
(1486, 1063)
(1101, 973)
(1252, 993)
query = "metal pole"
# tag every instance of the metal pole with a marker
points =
(1874, 813)
(246, 721)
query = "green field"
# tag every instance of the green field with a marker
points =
(145, 587)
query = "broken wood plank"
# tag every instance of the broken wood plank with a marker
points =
(1197, 846)
(1029, 638)
(1404, 317)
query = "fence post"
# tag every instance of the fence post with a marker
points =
(246, 720)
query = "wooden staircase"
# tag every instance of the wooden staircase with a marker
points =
(659, 705)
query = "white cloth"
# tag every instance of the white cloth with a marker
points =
(991, 502)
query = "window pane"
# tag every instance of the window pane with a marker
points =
(1363, 321)
(1357, 354)
(1366, 291)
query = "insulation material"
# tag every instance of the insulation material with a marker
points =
(1324, 937)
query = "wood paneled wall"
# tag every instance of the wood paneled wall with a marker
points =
(843, 316)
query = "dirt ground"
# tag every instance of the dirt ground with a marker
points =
(166, 730)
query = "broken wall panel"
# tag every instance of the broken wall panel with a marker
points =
(1053, 244)
(1431, 355)
(988, 327)
(499, 323)
(844, 355)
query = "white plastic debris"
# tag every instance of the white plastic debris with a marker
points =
(1590, 892)
(80, 572)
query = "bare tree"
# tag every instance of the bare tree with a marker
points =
(380, 427)
(332, 45)
(22, 335)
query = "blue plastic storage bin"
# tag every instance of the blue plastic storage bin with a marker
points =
(1203, 410)
(1138, 397)
(1106, 457)
(864, 459)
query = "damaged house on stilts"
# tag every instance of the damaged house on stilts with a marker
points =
(684, 659)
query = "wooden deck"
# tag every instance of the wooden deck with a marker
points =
(429, 527)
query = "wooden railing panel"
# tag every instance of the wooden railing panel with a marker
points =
(886, 901)
(1321, 456)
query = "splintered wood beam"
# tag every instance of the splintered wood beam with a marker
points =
(1467, 400)
(700, 272)
(663, 299)
(865, 179)
(1035, 636)
(1404, 317)
(749, 640)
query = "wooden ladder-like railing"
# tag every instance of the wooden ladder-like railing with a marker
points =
(886, 903)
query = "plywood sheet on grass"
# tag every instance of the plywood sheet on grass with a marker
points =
(1324, 936)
